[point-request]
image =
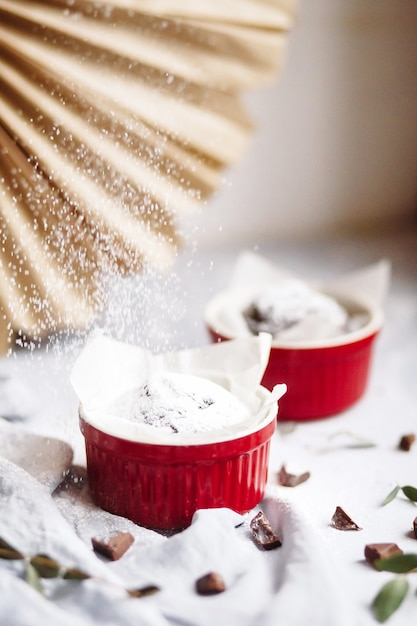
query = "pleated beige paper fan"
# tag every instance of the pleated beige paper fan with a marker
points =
(115, 117)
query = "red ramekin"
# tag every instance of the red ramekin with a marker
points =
(323, 377)
(161, 486)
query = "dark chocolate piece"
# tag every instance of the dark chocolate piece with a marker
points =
(376, 551)
(342, 521)
(115, 546)
(406, 442)
(415, 527)
(262, 532)
(210, 584)
(291, 480)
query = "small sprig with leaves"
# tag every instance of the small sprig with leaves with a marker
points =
(392, 594)
(389, 598)
(409, 492)
(41, 566)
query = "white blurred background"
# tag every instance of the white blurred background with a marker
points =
(335, 145)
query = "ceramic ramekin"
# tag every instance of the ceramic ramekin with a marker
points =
(161, 486)
(323, 377)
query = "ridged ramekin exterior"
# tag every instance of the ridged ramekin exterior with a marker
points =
(321, 382)
(161, 487)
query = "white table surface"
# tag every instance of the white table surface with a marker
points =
(36, 388)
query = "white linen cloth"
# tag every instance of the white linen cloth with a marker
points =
(318, 577)
(261, 586)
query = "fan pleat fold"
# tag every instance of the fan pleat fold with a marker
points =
(115, 117)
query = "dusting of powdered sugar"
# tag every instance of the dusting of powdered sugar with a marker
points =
(293, 309)
(180, 404)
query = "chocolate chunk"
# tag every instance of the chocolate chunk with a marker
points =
(115, 546)
(406, 442)
(376, 551)
(210, 584)
(415, 527)
(342, 521)
(291, 480)
(262, 532)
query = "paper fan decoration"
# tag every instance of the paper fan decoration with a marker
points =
(115, 116)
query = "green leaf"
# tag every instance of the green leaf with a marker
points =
(72, 573)
(397, 563)
(144, 591)
(8, 552)
(45, 566)
(410, 492)
(390, 598)
(10, 555)
(32, 577)
(392, 494)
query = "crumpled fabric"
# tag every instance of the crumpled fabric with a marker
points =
(262, 587)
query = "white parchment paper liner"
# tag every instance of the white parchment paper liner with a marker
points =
(107, 368)
(365, 288)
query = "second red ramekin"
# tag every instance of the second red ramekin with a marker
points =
(323, 377)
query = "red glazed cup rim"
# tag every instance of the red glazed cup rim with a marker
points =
(105, 426)
(163, 454)
(239, 298)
